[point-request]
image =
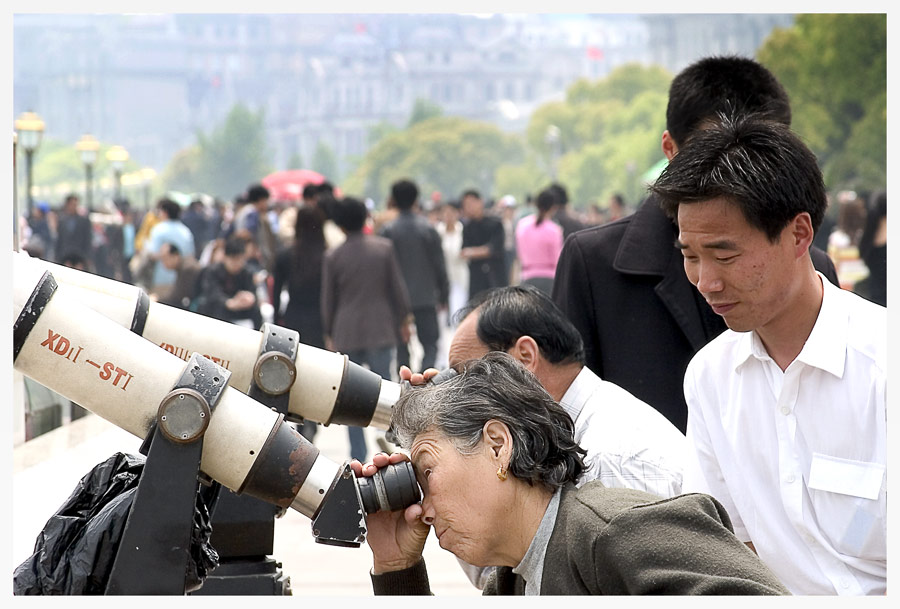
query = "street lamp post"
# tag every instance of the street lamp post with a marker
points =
(117, 156)
(551, 137)
(15, 197)
(30, 129)
(88, 147)
(148, 174)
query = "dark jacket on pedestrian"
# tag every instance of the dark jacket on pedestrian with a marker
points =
(218, 285)
(490, 272)
(200, 226)
(569, 223)
(614, 541)
(187, 284)
(74, 235)
(364, 298)
(624, 287)
(421, 258)
(304, 286)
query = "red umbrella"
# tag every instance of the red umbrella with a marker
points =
(288, 185)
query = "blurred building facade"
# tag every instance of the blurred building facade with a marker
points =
(150, 82)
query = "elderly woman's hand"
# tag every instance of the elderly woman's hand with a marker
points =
(417, 378)
(396, 538)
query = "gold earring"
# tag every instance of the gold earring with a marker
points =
(501, 473)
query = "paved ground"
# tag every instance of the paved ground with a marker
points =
(46, 470)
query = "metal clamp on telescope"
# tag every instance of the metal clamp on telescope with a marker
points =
(244, 526)
(157, 535)
(275, 369)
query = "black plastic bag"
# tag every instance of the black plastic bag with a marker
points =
(75, 551)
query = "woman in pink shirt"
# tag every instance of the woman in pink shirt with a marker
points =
(539, 241)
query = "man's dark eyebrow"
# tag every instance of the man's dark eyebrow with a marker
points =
(724, 244)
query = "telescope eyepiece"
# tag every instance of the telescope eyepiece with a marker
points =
(391, 488)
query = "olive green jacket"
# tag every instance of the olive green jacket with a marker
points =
(617, 541)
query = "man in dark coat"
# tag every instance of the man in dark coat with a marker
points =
(483, 245)
(623, 284)
(421, 257)
(227, 291)
(73, 231)
(569, 223)
(365, 305)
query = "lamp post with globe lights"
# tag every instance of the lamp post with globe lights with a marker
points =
(88, 146)
(29, 131)
(117, 156)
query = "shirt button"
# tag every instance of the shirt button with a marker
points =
(789, 479)
(845, 584)
(785, 410)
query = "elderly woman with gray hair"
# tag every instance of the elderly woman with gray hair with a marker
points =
(497, 462)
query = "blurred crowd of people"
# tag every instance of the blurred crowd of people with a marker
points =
(345, 275)
(484, 244)
(256, 259)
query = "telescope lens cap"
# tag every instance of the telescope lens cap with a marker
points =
(275, 373)
(183, 415)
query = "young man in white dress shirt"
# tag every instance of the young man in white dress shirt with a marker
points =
(786, 409)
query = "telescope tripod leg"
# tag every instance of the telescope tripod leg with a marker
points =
(154, 551)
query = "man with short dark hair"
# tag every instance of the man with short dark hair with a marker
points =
(787, 422)
(483, 246)
(421, 258)
(187, 277)
(170, 229)
(257, 222)
(365, 305)
(623, 284)
(227, 291)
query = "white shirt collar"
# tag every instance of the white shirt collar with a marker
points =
(578, 393)
(826, 346)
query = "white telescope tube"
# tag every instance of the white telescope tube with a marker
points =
(121, 377)
(328, 387)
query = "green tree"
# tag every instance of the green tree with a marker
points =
(552, 131)
(608, 133)
(623, 84)
(834, 68)
(58, 165)
(180, 173)
(325, 162)
(521, 180)
(422, 110)
(379, 131)
(233, 155)
(447, 154)
(56, 162)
